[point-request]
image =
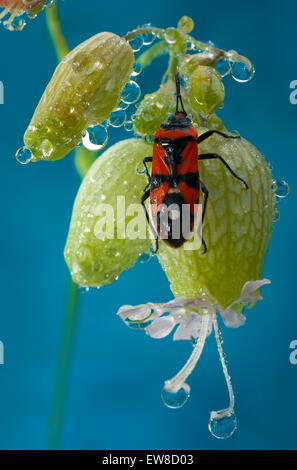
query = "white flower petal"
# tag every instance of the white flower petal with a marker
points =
(161, 327)
(249, 290)
(232, 319)
(134, 313)
(189, 329)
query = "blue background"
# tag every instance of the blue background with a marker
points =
(116, 374)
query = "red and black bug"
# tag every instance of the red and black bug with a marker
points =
(174, 183)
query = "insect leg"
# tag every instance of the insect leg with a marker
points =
(205, 192)
(212, 156)
(145, 161)
(144, 197)
(209, 133)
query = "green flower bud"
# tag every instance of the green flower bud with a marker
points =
(83, 91)
(185, 24)
(206, 88)
(154, 109)
(92, 257)
(237, 226)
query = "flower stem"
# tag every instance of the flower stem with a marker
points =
(64, 367)
(53, 24)
(71, 311)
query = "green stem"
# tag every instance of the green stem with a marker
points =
(71, 315)
(53, 24)
(153, 53)
(64, 367)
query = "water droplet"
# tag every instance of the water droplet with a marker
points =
(171, 35)
(23, 155)
(137, 69)
(148, 37)
(46, 148)
(280, 188)
(276, 216)
(137, 325)
(190, 45)
(83, 289)
(117, 118)
(222, 424)
(223, 66)
(95, 138)
(17, 24)
(145, 257)
(175, 399)
(130, 93)
(136, 42)
(128, 126)
(140, 168)
(241, 72)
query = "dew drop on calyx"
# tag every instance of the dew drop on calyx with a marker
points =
(95, 137)
(222, 424)
(136, 42)
(23, 155)
(280, 188)
(130, 93)
(175, 399)
(241, 72)
(117, 118)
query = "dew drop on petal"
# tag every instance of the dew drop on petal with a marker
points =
(117, 118)
(223, 66)
(222, 424)
(130, 93)
(137, 325)
(137, 69)
(241, 72)
(23, 155)
(95, 137)
(280, 188)
(136, 42)
(175, 399)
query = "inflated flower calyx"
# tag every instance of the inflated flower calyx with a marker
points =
(92, 257)
(237, 226)
(206, 89)
(154, 110)
(83, 91)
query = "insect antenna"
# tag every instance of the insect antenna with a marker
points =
(178, 96)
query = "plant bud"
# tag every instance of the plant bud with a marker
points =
(207, 91)
(83, 91)
(154, 109)
(96, 254)
(236, 229)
